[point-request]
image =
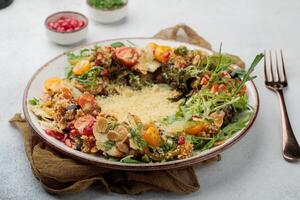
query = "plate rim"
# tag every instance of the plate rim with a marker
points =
(127, 166)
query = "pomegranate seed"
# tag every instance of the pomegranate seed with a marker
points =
(74, 23)
(76, 28)
(51, 24)
(65, 24)
(65, 137)
(104, 72)
(181, 140)
(60, 29)
(60, 21)
(69, 30)
(55, 25)
(88, 131)
(81, 23)
(68, 142)
(62, 18)
(68, 20)
(74, 132)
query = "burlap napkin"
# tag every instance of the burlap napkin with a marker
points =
(59, 174)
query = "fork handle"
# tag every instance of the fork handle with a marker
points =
(290, 145)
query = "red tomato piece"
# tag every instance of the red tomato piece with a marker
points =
(82, 122)
(87, 102)
(127, 56)
(54, 134)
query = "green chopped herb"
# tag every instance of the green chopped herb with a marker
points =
(106, 4)
(117, 44)
(90, 77)
(247, 76)
(182, 50)
(34, 101)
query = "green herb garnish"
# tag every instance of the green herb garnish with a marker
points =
(136, 136)
(90, 77)
(109, 144)
(106, 4)
(129, 159)
(34, 101)
(117, 44)
(247, 76)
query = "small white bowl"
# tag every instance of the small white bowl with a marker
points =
(107, 15)
(66, 38)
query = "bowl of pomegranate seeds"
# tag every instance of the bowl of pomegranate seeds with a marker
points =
(66, 27)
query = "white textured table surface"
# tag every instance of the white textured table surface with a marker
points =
(251, 169)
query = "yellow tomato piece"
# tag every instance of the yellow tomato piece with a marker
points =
(53, 84)
(195, 130)
(152, 136)
(153, 45)
(81, 67)
(162, 53)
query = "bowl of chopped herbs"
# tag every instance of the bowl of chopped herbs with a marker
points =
(107, 11)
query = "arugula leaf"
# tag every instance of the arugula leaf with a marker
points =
(117, 44)
(135, 134)
(69, 72)
(229, 130)
(129, 159)
(246, 76)
(34, 101)
(90, 77)
(109, 144)
(74, 58)
(197, 142)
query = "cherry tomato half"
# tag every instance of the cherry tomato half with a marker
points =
(53, 84)
(195, 130)
(152, 136)
(81, 67)
(162, 53)
(127, 56)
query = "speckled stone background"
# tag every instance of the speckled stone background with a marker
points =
(252, 169)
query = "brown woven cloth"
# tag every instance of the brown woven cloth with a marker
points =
(59, 174)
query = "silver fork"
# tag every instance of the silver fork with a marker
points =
(290, 146)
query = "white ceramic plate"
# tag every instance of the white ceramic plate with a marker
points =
(56, 67)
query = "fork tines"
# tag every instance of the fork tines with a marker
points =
(279, 78)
